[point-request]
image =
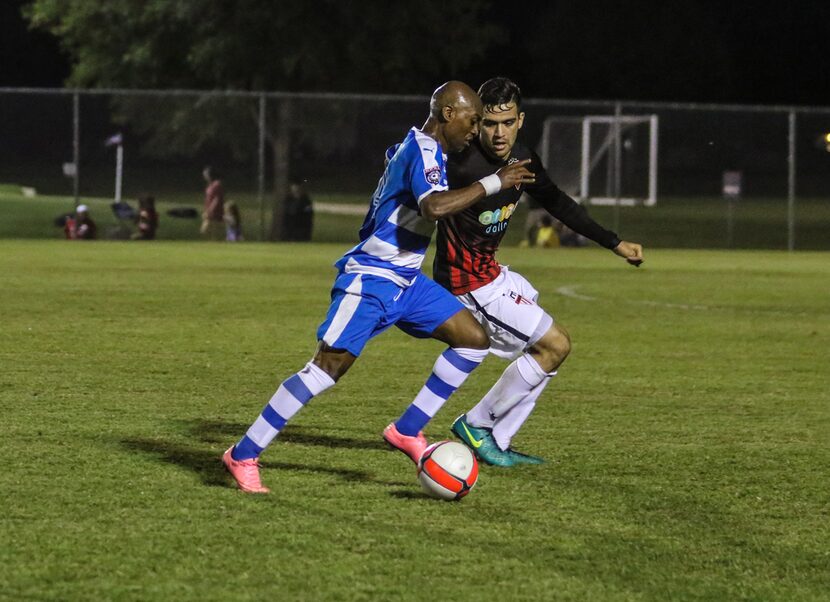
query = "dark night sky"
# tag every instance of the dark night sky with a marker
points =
(738, 52)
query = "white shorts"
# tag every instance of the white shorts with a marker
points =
(506, 308)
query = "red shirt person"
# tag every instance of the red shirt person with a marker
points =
(213, 225)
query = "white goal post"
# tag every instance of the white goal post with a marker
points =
(603, 159)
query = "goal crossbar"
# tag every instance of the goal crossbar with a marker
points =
(609, 150)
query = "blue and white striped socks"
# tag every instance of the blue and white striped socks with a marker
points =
(289, 399)
(451, 369)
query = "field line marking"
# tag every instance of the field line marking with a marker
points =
(570, 291)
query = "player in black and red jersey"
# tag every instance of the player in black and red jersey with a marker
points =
(501, 300)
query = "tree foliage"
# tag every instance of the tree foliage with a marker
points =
(367, 46)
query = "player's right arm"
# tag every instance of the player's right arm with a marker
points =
(441, 204)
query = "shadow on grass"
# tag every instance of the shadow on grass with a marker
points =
(203, 458)
(224, 432)
(407, 494)
(207, 464)
(204, 462)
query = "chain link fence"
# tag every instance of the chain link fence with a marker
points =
(724, 176)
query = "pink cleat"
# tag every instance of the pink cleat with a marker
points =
(412, 446)
(246, 473)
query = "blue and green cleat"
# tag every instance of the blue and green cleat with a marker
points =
(483, 445)
(480, 441)
(517, 457)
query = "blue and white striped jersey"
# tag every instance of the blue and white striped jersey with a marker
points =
(394, 237)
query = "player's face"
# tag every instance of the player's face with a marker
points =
(462, 127)
(499, 129)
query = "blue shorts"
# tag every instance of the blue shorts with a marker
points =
(363, 306)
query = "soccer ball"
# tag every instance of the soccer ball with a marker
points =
(447, 470)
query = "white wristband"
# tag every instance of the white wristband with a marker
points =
(491, 183)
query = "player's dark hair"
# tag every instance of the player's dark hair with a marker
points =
(500, 91)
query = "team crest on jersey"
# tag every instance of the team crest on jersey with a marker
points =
(511, 161)
(433, 174)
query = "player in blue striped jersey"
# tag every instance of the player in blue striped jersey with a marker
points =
(379, 284)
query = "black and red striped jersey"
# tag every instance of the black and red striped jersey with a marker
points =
(466, 243)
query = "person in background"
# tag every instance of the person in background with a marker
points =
(147, 219)
(213, 215)
(299, 213)
(233, 222)
(82, 226)
(547, 236)
(533, 222)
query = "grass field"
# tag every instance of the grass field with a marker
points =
(22, 217)
(672, 223)
(687, 435)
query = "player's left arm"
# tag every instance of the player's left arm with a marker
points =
(575, 216)
(632, 252)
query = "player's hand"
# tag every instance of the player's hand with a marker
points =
(516, 174)
(631, 252)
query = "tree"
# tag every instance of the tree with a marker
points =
(257, 45)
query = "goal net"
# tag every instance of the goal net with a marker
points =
(603, 159)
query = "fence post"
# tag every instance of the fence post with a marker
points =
(281, 148)
(261, 167)
(791, 187)
(76, 144)
(617, 166)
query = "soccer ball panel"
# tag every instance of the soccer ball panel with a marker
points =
(455, 458)
(435, 489)
(447, 470)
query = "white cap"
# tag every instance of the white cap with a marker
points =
(81, 209)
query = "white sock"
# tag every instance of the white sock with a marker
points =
(517, 381)
(509, 424)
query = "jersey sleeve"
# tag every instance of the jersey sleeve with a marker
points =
(564, 208)
(428, 171)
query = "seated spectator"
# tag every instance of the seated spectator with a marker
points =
(82, 226)
(533, 221)
(233, 222)
(546, 235)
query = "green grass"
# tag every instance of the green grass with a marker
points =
(687, 434)
(672, 223)
(27, 218)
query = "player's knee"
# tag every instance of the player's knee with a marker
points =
(462, 331)
(561, 342)
(553, 348)
(478, 338)
(470, 335)
(334, 362)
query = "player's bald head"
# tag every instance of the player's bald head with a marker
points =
(453, 94)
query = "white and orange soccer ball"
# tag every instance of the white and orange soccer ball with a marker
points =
(447, 470)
